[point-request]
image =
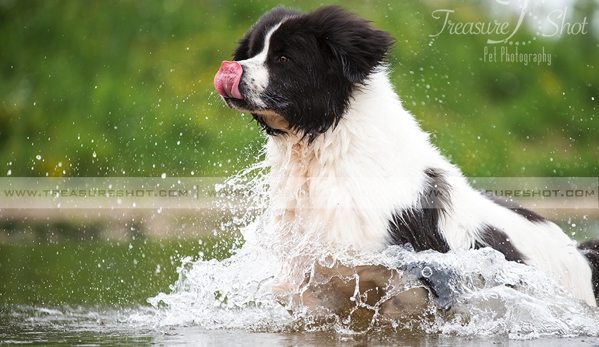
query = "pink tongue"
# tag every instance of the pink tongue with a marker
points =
(226, 80)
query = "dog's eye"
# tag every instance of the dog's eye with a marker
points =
(283, 59)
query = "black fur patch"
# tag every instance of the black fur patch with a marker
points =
(498, 240)
(590, 249)
(252, 42)
(528, 214)
(328, 53)
(419, 225)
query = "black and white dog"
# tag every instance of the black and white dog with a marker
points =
(356, 170)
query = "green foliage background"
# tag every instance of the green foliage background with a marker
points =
(124, 88)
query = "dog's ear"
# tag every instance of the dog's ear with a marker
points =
(352, 41)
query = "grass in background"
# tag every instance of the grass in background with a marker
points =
(125, 88)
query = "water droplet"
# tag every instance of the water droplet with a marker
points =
(94, 154)
(163, 175)
(38, 157)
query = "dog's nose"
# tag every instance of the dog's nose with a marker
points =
(226, 80)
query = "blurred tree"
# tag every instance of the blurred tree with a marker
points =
(101, 88)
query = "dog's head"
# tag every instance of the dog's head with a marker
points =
(295, 72)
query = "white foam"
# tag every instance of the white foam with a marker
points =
(501, 297)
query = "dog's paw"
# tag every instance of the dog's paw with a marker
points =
(444, 284)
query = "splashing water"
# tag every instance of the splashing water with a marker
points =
(497, 297)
